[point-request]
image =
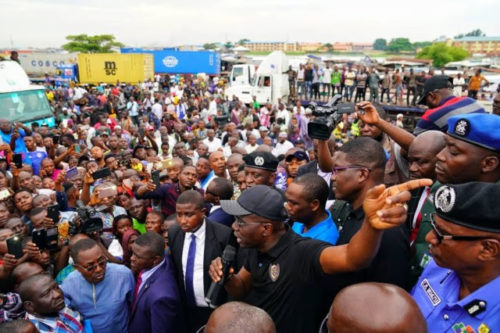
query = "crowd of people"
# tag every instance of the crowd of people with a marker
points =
(360, 83)
(146, 196)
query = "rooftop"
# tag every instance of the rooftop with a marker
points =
(479, 39)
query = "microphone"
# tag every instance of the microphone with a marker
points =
(227, 259)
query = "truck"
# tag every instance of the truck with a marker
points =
(112, 68)
(269, 83)
(38, 64)
(20, 101)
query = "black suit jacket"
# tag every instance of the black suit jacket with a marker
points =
(217, 236)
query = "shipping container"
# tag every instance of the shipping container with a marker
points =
(182, 62)
(38, 64)
(113, 67)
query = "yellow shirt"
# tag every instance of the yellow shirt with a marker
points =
(475, 82)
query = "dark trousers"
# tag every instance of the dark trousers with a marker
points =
(385, 91)
(413, 91)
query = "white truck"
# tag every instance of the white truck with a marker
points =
(20, 101)
(268, 84)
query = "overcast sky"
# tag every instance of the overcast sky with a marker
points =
(45, 23)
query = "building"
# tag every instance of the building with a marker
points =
(361, 47)
(311, 47)
(342, 47)
(489, 46)
(271, 46)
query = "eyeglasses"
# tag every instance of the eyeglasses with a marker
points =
(440, 235)
(101, 262)
(242, 223)
(336, 170)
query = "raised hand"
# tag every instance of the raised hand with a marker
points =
(367, 113)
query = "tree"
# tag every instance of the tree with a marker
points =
(420, 45)
(228, 45)
(243, 41)
(328, 47)
(441, 54)
(209, 46)
(380, 44)
(91, 44)
(473, 33)
(398, 45)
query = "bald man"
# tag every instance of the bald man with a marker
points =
(239, 317)
(375, 308)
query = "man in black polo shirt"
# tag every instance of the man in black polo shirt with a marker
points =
(282, 269)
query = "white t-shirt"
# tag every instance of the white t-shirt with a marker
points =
(327, 75)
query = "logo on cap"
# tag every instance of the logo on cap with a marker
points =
(259, 161)
(462, 127)
(445, 199)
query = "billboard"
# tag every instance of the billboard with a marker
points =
(182, 62)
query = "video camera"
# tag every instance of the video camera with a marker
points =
(89, 222)
(327, 117)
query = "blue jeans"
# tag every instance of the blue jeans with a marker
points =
(308, 89)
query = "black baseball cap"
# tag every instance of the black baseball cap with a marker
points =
(299, 154)
(434, 83)
(261, 160)
(261, 200)
(472, 205)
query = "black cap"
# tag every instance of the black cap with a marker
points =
(473, 205)
(261, 160)
(434, 83)
(299, 154)
(261, 200)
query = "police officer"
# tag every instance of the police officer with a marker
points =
(260, 168)
(458, 289)
(282, 269)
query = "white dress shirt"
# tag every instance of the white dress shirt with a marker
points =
(213, 145)
(198, 286)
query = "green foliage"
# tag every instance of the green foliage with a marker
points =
(398, 45)
(441, 54)
(228, 45)
(473, 33)
(243, 41)
(209, 46)
(91, 44)
(380, 44)
(419, 45)
(328, 47)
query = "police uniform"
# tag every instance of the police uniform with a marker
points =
(261, 160)
(479, 129)
(475, 206)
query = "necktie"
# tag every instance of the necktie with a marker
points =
(189, 272)
(414, 232)
(137, 286)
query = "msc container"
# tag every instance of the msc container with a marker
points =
(115, 67)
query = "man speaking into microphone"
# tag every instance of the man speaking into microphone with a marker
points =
(194, 242)
(282, 269)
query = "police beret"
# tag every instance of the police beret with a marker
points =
(480, 129)
(473, 205)
(261, 160)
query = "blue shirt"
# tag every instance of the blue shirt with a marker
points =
(20, 146)
(326, 230)
(105, 304)
(436, 293)
(35, 159)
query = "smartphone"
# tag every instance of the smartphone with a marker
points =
(104, 172)
(4, 194)
(55, 139)
(15, 246)
(38, 237)
(53, 213)
(77, 149)
(51, 239)
(71, 173)
(18, 160)
(156, 177)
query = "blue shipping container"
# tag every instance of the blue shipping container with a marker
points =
(182, 62)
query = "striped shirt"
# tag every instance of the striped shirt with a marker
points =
(437, 118)
(68, 321)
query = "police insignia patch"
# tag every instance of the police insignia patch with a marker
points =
(462, 127)
(445, 199)
(274, 272)
(259, 161)
(429, 291)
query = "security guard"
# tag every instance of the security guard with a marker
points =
(260, 168)
(458, 290)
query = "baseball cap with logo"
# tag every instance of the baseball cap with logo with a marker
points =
(261, 200)
(261, 160)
